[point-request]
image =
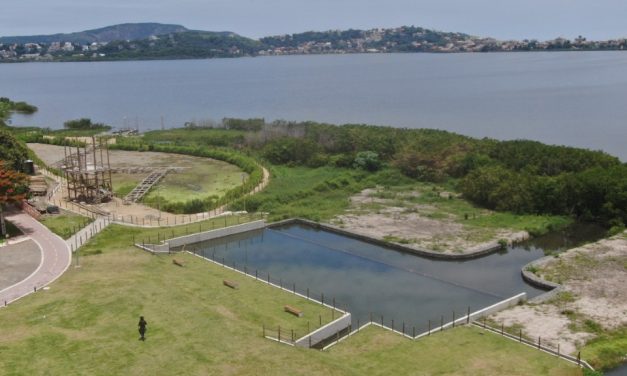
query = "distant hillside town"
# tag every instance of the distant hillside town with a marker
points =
(158, 41)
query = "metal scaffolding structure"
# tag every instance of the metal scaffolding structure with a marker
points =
(88, 172)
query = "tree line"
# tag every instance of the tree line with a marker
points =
(521, 176)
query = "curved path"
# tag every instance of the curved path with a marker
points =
(133, 213)
(56, 258)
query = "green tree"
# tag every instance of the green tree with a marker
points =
(367, 160)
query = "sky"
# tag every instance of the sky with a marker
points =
(502, 19)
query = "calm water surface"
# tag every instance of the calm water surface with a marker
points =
(367, 278)
(566, 98)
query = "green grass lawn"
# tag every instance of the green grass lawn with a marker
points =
(459, 351)
(608, 349)
(86, 323)
(124, 183)
(65, 224)
(202, 178)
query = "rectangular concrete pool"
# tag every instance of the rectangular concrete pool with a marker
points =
(369, 279)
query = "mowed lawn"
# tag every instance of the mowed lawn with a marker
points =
(465, 350)
(199, 178)
(203, 177)
(65, 224)
(86, 324)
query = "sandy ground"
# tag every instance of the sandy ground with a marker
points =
(594, 278)
(410, 227)
(121, 159)
(134, 213)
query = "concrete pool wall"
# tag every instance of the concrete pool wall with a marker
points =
(475, 252)
(181, 241)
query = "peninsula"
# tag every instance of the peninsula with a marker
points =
(153, 41)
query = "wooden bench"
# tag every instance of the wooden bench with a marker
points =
(177, 263)
(293, 310)
(231, 284)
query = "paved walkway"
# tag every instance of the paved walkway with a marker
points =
(18, 261)
(56, 258)
(87, 232)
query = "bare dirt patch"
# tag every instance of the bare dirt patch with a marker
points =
(134, 166)
(594, 297)
(402, 219)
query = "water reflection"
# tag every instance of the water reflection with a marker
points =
(370, 279)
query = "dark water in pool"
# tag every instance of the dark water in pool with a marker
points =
(365, 278)
(620, 371)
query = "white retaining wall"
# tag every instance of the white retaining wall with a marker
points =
(325, 332)
(206, 235)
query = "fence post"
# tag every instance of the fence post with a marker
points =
(307, 292)
(294, 288)
(381, 320)
(558, 350)
(279, 333)
(579, 358)
(292, 335)
(358, 326)
(468, 316)
(441, 322)
(502, 327)
(322, 298)
(403, 327)
(392, 324)
(429, 332)
(539, 342)
(520, 336)
(453, 319)
(263, 327)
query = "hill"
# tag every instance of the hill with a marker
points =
(153, 41)
(182, 45)
(128, 31)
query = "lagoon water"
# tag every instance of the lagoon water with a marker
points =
(570, 98)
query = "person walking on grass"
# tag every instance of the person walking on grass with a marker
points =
(142, 328)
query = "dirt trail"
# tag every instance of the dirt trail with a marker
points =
(133, 213)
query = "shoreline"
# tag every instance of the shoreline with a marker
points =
(476, 252)
(178, 58)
